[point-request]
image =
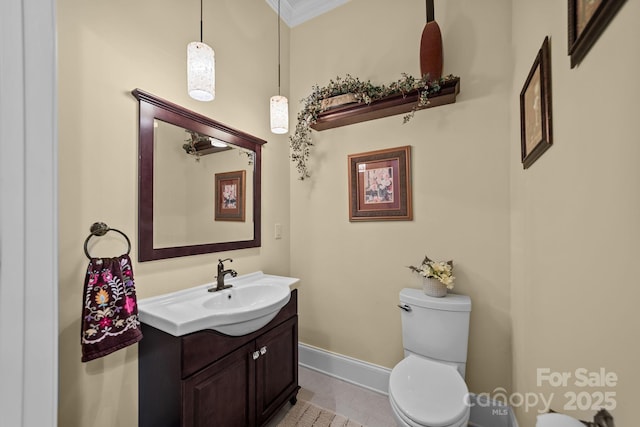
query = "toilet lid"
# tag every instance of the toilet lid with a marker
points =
(429, 393)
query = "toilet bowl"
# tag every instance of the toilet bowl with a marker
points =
(427, 388)
(425, 393)
(557, 420)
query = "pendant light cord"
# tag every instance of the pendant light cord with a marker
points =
(278, 47)
(200, 21)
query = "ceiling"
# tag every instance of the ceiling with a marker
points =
(295, 12)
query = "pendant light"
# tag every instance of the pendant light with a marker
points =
(201, 71)
(279, 109)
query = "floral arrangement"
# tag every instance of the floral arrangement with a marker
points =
(190, 146)
(443, 271)
(300, 141)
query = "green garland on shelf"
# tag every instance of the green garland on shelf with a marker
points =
(300, 141)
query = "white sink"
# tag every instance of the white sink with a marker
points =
(252, 301)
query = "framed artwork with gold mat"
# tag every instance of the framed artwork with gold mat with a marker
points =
(230, 196)
(380, 185)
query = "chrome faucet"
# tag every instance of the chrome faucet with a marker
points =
(220, 277)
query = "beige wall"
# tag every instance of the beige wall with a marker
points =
(106, 49)
(352, 272)
(575, 228)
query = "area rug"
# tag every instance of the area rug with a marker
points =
(305, 414)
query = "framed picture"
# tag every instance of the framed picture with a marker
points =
(230, 196)
(587, 20)
(380, 185)
(535, 108)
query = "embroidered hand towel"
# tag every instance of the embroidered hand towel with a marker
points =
(110, 313)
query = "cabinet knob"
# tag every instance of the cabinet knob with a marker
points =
(263, 350)
(255, 355)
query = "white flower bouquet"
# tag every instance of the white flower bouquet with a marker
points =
(440, 270)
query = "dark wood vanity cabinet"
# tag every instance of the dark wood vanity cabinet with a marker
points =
(211, 379)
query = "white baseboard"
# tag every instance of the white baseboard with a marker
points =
(354, 371)
(484, 412)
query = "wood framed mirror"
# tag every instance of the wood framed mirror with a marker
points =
(181, 157)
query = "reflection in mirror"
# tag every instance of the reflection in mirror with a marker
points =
(199, 183)
(184, 188)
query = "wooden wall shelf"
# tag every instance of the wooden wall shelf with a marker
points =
(392, 105)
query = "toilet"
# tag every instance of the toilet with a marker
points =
(557, 420)
(427, 388)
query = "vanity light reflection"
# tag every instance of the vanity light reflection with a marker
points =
(218, 143)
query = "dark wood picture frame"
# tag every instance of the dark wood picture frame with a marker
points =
(535, 108)
(587, 21)
(230, 196)
(380, 185)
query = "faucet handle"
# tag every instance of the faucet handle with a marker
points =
(221, 265)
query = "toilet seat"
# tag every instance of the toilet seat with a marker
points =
(404, 421)
(429, 394)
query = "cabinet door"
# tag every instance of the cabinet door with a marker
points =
(277, 368)
(223, 394)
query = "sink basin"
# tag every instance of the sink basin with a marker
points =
(252, 302)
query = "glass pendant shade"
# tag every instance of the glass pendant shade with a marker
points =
(201, 72)
(279, 114)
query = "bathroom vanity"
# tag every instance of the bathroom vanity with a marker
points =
(207, 378)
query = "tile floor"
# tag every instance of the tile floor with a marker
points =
(363, 406)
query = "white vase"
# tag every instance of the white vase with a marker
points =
(434, 287)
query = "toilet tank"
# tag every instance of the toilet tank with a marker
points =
(436, 328)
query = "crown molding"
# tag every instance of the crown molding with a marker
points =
(295, 12)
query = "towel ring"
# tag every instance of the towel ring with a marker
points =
(100, 229)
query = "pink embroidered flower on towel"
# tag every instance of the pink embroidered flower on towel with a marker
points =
(107, 276)
(93, 278)
(129, 305)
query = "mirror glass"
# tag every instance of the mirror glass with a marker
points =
(184, 189)
(199, 183)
